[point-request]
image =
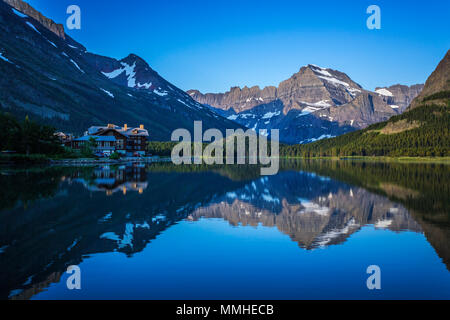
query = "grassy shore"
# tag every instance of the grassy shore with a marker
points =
(23, 159)
(445, 160)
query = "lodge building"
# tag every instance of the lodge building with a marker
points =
(125, 140)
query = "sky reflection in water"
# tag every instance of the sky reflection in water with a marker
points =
(161, 232)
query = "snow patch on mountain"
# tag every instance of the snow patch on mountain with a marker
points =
(187, 105)
(160, 93)
(129, 72)
(320, 104)
(76, 65)
(324, 136)
(353, 91)
(145, 85)
(20, 14)
(107, 92)
(33, 27)
(322, 71)
(334, 81)
(52, 43)
(384, 92)
(4, 58)
(270, 115)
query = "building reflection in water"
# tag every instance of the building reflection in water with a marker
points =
(110, 179)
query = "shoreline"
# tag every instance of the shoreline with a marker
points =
(38, 159)
(41, 159)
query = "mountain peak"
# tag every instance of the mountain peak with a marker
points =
(140, 64)
(315, 67)
(133, 57)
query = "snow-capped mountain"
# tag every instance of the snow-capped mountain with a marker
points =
(52, 78)
(313, 104)
(135, 73)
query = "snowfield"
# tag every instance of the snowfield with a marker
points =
(130, 73)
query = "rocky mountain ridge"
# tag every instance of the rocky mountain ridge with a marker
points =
(28, 10)
(313, 104)
(311, 88)
(399, 96)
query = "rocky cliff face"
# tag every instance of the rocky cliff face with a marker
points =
(437, 82)
(399, 96)
(25, 8)
(362, 111)
(313, 104)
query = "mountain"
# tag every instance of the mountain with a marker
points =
(313, 104)
(399, 95)
(437, 86)
(423, 130)
(53, 79)
(312, 87)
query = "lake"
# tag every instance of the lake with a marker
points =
(159, 231)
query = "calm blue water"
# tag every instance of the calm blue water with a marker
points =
(216, 235)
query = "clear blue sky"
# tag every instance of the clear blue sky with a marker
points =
(212, 45)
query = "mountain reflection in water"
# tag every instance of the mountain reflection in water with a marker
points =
(51, 218)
